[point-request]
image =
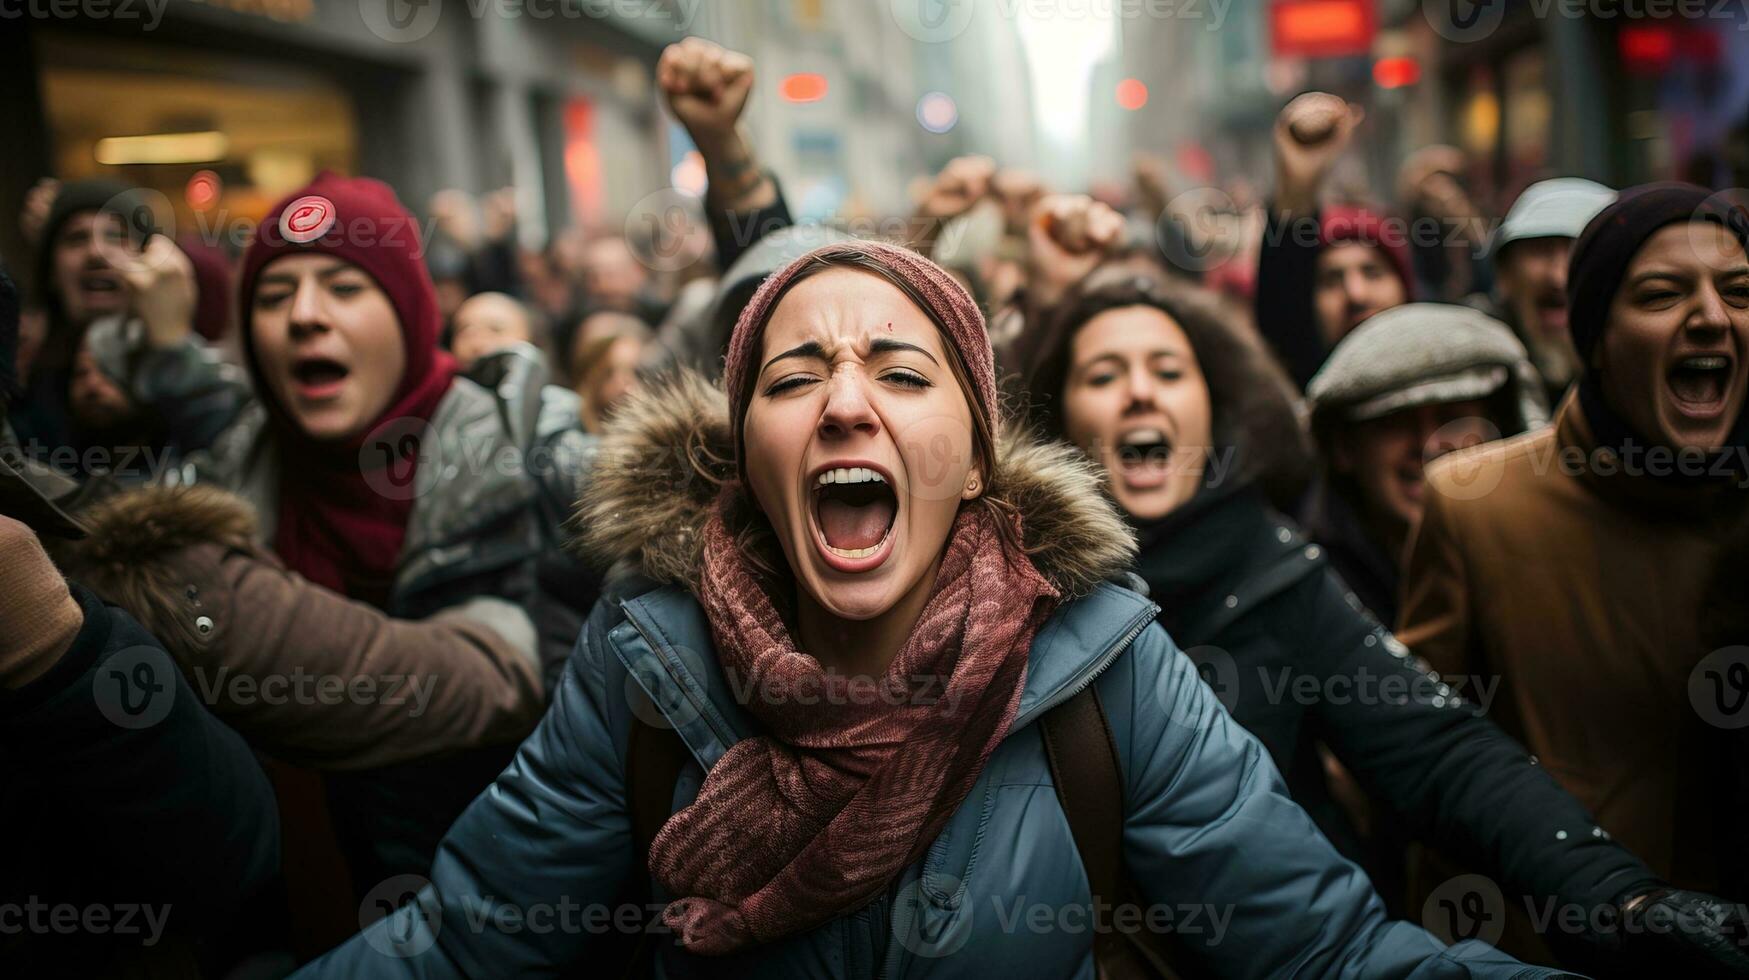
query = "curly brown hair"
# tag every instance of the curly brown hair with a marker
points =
(1252, 402)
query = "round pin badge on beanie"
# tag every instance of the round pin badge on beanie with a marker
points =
(306, 219)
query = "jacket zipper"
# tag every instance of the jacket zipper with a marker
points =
(1086, 677)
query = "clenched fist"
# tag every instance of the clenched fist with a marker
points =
(706, 86)
(961, 184)
(1067, 236)
(160, 283)
(1310, 134)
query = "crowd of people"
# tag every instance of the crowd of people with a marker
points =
(1031, 596)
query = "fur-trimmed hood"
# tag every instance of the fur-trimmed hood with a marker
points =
(667, 453)
(131, 555)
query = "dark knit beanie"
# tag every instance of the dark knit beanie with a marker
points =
(947, 302)
(1601, 256)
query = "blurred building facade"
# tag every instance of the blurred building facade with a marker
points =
(555, 98)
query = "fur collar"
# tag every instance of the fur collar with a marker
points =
(667, 453)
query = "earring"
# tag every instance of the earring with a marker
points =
(972, 485)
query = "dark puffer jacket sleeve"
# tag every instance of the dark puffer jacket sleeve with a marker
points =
(1211, 836)
(174, 809)
(734, 232)
(529, 874)
(1415, 741)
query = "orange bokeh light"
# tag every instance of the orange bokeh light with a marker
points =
(803, 86)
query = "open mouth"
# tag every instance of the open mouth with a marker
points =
(318, 376)
(855, 510)
(1700, 384)
(1144, 456)
(1551, 309)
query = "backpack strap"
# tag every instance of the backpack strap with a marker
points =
(654, 758)
(1083, 757)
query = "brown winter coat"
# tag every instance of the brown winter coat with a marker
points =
(307, 675)
(1579, 587)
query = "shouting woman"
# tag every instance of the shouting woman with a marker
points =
(874, 601)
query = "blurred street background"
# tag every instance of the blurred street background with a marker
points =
(224, 105)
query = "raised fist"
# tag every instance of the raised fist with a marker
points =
(706, 86)
(1310, 134)
(38, 201)
(160, 283)
(1067, 236)
(961, 184)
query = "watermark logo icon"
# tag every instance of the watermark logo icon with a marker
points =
(414, 916)
(1200, 229)
(662, 221)
(1463, 21)
(933, 21)
(927, 927)
(1718, 687)
(1469, 906)
(1468, 475)
(400, 21)
(399, 459)
(136, 688)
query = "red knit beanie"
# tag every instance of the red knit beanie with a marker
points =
(945, 300)
(1342, 224)
(356, 219)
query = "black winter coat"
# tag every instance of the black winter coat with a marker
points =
(1299, 661)
(135, 824)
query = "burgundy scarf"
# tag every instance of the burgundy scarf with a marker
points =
(855, 779)
(336, 527)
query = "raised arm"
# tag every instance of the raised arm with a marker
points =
(706, 87)
(1311, 133)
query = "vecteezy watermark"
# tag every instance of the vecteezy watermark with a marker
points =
(1718, 687)
(301, 687)
(1469, 906)
(37, 917)
(1463, 21)
(937, 21)
(405, 458)
(1633, 459)
(148, 12)
(401, 916)
(1014, 914)
(1472, 906)
(135, 688)
(407, 21)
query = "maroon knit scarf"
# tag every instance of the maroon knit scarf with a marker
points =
(854, 780)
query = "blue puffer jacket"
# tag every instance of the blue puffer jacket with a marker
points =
(530, 878)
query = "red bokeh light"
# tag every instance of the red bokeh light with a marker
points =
(202, 191)
(1396, 72)
(1132, 94)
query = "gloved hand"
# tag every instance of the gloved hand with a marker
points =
(38, 617)
(1677, 932)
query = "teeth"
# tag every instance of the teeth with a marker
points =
(852, 474)
(1142, 437)
(853, 552)
(1711, 362)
